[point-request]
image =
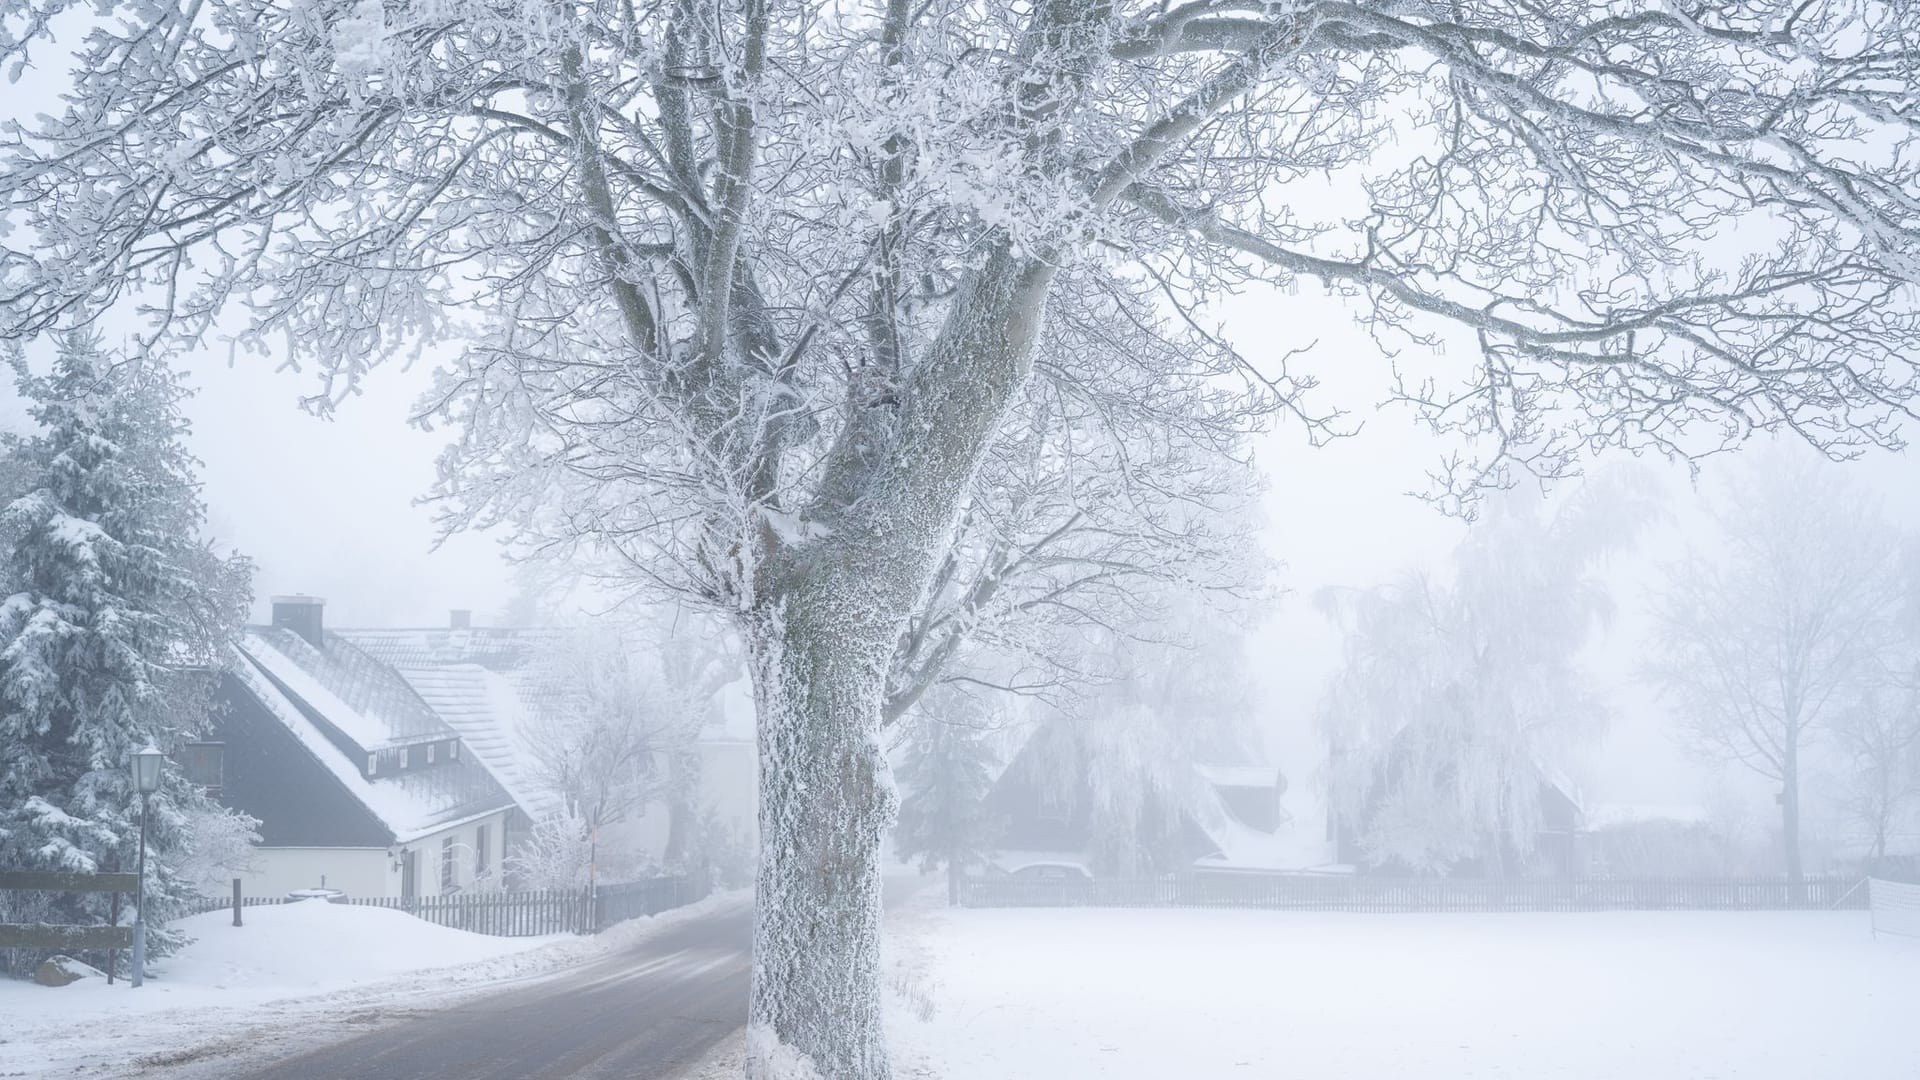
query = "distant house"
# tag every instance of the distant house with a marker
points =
(1242, 812)
(1221, 818)
(389, 762)
(1556, 849)
(481, 682)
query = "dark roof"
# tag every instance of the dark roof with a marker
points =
(341, 706)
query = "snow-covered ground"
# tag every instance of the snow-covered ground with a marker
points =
(290, 972)
(1146, 995)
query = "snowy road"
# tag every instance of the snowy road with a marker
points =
(644, 1012)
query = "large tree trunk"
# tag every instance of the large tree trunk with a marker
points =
(826, 616)
(819, 661)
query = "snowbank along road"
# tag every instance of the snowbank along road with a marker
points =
(645, 1012)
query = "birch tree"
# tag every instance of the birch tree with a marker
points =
(1460, 698)
(771, 275)
(1769, 634)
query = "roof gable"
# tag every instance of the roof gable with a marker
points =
(408, 803)
(363, 699)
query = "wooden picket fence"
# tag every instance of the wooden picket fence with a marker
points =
(527, 913)
(1370, 894)
(200, 905)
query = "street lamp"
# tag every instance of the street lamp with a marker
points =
(146, 780)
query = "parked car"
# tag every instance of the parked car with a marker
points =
(1052, 872)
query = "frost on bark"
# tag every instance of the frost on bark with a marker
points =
(825, 801)
(744, 292)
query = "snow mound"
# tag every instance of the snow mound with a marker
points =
(287, 965)
(313, 945)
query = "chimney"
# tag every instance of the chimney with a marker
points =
(300, 614)
(460, 618)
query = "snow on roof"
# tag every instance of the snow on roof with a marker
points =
(1240, 846)
(488, 709)
(497, 648)
(480, 683)
(1603, 814)
(410, 804)
(363, 698)
(1253, 776)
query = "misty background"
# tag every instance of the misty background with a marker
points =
(333, 507)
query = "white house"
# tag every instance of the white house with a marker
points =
(358, 784)
(393, 763)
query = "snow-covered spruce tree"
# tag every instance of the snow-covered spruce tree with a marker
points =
(120, 621)
(767, 277)
(946, 769)
(1458, 700)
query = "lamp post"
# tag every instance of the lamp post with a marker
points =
(146, 780)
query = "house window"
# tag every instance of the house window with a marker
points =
(446, 865)
(430, 749)
(204, 764)
(453, 751)
(373, 763)
(480, 852)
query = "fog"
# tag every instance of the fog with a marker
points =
(959, 542)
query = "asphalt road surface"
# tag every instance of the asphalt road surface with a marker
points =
(639, 1014)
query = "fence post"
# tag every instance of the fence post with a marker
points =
(236, 901)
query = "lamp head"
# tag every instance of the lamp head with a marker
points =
(146, 769)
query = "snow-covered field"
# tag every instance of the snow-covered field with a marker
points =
(292, 972)
(1200, 995)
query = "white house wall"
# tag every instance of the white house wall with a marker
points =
(278, 871)
(465, 852)
(375, 872)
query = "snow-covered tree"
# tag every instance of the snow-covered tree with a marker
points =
(216, 846)
(1091, 512)
(1458, 700)
(766, 279)
(1767, 633)
(611, 721)
(947, 767)
(1118, 756)
(557, 853)
(1878, 736)
(697, 659)
(114, 638)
